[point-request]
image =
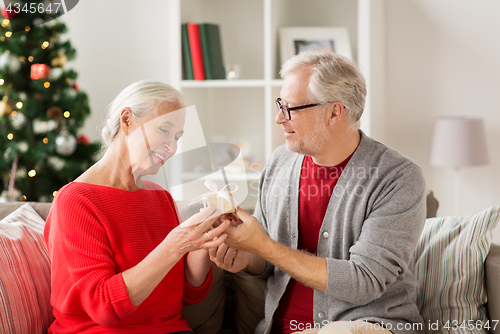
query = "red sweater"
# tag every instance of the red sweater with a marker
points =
(317, 184)
(93, 234)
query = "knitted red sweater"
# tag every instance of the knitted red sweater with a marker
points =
(93, 234)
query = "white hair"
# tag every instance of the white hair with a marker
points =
(142, 98)
(333, 78)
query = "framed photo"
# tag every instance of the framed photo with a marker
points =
(297, 39)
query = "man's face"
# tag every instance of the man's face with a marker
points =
(307, 130)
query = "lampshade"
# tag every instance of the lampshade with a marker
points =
(458, 141)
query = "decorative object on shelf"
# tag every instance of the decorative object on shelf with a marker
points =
(297, 39)
(65, 143)
(233, 71)
(40, 71)
(458, 141)
(222, 199)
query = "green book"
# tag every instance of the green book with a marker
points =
(187, 65)
(212, 51)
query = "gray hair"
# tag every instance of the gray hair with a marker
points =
(333, 78)
(142, 97)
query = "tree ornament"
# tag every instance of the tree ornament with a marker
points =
(18, 120)
(10, 61)
(13, 171)
(59, 60)
(76, 87)
(82, 139)
(40, 71)
(44, 126)
(65, 143)
(54, 112)
(5, 107)
(9, 14)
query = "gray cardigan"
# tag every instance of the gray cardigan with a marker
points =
(371, 226)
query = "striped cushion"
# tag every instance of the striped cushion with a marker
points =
(449, 265)
(24, 274)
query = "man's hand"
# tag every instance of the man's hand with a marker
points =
(229, 259)
(247, 236)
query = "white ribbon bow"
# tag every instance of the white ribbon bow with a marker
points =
(221, 194)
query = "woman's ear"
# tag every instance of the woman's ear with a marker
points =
(126, 120)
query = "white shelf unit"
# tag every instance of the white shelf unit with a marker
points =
(245, 108)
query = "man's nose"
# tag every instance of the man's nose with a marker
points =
(280, 118)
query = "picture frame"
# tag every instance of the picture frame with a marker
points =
(294, 40)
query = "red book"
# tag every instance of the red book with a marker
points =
(196, 51)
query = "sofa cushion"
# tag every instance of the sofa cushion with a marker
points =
(24, 274)
(449, 265)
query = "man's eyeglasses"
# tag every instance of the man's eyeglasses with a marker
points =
(286, 110)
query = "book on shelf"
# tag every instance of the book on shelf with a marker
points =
(196, 51)
(212, 51)
(202, 52)
(187, 65)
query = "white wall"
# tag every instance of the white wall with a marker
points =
(443, 58)
(118, 42)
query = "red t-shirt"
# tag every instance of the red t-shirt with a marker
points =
(93, 234)
(317, 184)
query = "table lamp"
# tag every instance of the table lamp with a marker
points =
(458, 141)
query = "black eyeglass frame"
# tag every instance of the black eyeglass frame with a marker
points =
(287, 115)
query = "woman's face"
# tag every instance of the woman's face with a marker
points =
(154, 139)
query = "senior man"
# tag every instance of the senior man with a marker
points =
(338, 213)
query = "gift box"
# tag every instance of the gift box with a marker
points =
(222, 199)
(219, 202)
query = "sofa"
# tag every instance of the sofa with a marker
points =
(486, 273)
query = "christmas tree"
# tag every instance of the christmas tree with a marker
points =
(41, 106)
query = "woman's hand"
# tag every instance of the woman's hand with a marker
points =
(197, 232)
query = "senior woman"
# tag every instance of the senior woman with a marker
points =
(121, 260)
